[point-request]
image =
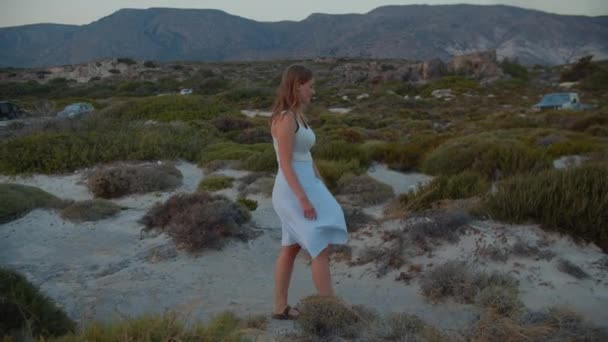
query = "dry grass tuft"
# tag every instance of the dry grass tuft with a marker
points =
(328, 317)
(363, 190)
(121, 180)
(90, 210)
(200, 220)
(428, 228)
(458, 280)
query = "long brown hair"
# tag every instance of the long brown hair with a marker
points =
(287, 96)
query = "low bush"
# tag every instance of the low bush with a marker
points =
(464, 185)
(230, 123)
(555, 200)
(27, 314)
(403, 156)
(90, 210)
(51, 152)
(121, 180)
(340, 150)
(168, 108)
(332, 170)
(490, 155)
(249, 203)
(254, 135)
(215, 182)
(262, 161)
(18, 200)
(256, 182)
(571, 147)
(199, 221)
(170, 326)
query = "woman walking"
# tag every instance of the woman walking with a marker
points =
(310, 216)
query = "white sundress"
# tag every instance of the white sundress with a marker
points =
(329, 228)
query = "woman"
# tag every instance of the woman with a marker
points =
(310, 216)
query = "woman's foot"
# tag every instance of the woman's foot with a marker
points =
(288, 313)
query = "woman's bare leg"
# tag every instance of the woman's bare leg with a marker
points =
(282, 275)
(321, 275)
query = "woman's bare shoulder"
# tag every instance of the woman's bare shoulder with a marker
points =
(283, 121)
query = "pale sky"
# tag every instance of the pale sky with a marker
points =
(79, 12)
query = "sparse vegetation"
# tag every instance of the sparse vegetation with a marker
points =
(456, 279)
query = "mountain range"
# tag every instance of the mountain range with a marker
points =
(413, 32)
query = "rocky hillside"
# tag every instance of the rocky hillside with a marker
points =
(419, 32)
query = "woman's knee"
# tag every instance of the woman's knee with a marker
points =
(324, 255)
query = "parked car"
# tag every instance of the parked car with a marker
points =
(185, 91)
(560, 101)
(75, 109)
(10, 111)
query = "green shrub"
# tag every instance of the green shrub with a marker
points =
(168, 108)
(573, 201)
(50, 152)
(250, 204)
(332, 170)
(231, 151)
(570, 147)
(579, 70)
(251, 97)
(126, 61)
(491, 156)
(90, 210)
(265, 160)
(124, 180)
(18, 200)
(403, 156)
(254, 135)
(228, 123)
(456, 83)
(340, 150)
(463, 185)
(215, 182)
(24, 310)
(514, 69)
(150, 64)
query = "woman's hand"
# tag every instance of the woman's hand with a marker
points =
(309, 211)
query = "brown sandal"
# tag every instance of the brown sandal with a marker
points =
(285, 314)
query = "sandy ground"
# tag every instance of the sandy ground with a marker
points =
(108, 269)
